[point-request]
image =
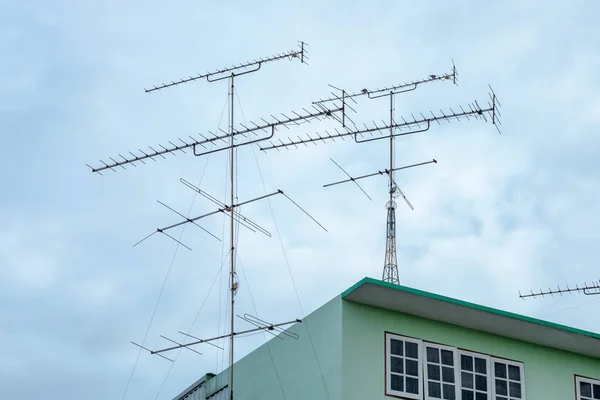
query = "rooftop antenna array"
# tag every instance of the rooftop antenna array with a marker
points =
(586, 289)
(365, 134)
(223, 141)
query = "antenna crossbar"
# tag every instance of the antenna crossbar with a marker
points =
(225, 209)
(195, 144)
(197, 338)
(396, 89)
(384, 172)
(586, 289)
(177, 343)
(241, 69)
(259, 323)
(415, 125)
(244, 221)
(269, 327)
(220, 210)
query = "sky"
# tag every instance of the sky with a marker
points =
(497, 214)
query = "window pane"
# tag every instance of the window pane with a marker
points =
(435, 390)
(466, 363)
(412, 350)
(480, 366)
(514, 373)
(433, 355)
(397, 383)
(396, 347)
(467, 395)
(481, 396)
(501, 388)
(515, 389)
(596, 391)
(449, 392)
(481, 383)
(500, 370)
(412, 385)
(447, 357)
(412, 367)
(448, 374)
(585, 389)
(397, 365)
(433, 372)
(501, 398)
(467, 380)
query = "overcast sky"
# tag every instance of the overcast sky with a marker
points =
(497, 214)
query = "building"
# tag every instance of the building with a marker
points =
(381, 341)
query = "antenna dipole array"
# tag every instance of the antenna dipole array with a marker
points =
(376, 131)
(586, 289)
(220, 141)
(412, 125)
(396, 89)
(241, 69)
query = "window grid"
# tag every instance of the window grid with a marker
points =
(404, 376)
(422, 370)
(474, 376)
(440, 372)
(587, 389)
(508, 380)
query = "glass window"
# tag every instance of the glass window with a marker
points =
(441, 374)
(419, 370)
(474, 376)
(587, 388)
(507, 380)
(403, 367)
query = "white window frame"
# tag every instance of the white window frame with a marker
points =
(489, 372)
(508, 362)
(388, 373)
(578, 380)
(454, 351)
(423, 378)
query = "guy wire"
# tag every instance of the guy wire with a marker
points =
(166, 277)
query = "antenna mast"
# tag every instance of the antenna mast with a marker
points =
(390, 266)
(232, 140)
(422, 124)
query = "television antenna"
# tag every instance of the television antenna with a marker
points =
(586, 289)
(223, 141)
(394, 127)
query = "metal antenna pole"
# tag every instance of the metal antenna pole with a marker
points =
(391, 144)
(246, 135)
(232, 268)
(390, 266)
(376, 131)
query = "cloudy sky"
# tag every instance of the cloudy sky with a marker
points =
(497, 214)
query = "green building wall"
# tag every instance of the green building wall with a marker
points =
(549, 373)
(296, 367)
(348, 340)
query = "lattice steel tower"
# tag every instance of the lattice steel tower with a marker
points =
(390, 267)
(392, 129)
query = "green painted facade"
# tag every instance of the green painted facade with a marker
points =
(549, 373)
(348, 339)
(296, 366)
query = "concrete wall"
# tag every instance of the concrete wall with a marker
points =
(290, 365)
(549, 373)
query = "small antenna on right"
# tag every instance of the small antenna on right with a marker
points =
(588, 290)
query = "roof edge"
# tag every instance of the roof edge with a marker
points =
(451, 300)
